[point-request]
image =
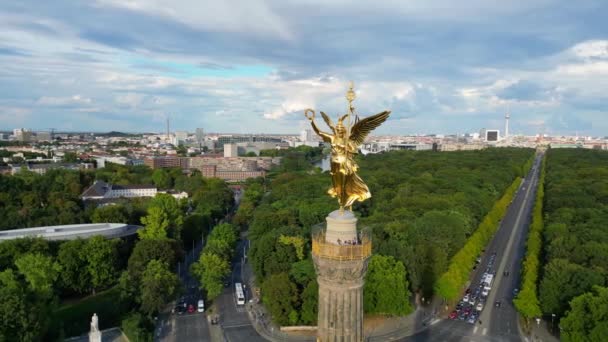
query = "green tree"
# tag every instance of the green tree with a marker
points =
(386, 287)
(102, 257)
(222, 240)
(159, 285)
(23, 317)
(73, 261)
(587, 320)
(70, 157)
(111, 214)
(156, 224)
(170, 207)
(137, 328)
(211, 269)
(280, 296)
(563, 281)
(161, 179)
(40, 271)
(310, 303)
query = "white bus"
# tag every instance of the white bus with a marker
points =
(239, 294)
(487, 282)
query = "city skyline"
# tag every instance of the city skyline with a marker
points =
(249, 68)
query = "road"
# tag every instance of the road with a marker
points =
(187, 326)
(233, 318)
(508, 244)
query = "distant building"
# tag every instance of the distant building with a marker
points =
(22, 134)
(102, 160)
(43, 136)
(43, 168)
(101, 190)
(181, 136)
(72, 231)
(233, 139)
(489, 135)
(231, 151)
(167, 162)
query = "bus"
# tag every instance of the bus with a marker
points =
(239, 294)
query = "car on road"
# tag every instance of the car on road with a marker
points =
(466, 298)
(515, 291)
(485, 292)
(472, 319)
(497, 304)
(191, 308)
(506, 273)
(200, 306)
(179, 309)
(479, 307)
(453, 314)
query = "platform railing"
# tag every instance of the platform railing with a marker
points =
(348, 249)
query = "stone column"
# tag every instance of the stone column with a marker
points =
(340, 273)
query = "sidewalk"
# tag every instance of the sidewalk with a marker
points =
(541, 333)
(399, 327)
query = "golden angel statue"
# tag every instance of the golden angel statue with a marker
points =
(347, 186)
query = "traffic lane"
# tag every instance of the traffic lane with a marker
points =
(504, 318)
(451, 331)
(497, 247)
(242, 333)
(192, 327)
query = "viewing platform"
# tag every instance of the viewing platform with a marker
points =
(341, 247)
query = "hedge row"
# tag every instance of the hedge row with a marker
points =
(526, 302)
(454, 279)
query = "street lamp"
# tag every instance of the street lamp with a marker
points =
(552, 326)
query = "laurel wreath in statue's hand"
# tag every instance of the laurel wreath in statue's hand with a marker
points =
(309, 114)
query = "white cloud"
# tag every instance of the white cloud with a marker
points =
(63, 101)
(223, 16)
(591, 49)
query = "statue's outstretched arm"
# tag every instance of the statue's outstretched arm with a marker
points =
(326, 136)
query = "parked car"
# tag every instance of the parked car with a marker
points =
(479, 307)
(515, 292)
(201, 306)
(472, 319)
(191, 308)
(466, 298)
(453, 314)
(179, 309)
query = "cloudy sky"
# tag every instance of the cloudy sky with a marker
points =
(254, 66)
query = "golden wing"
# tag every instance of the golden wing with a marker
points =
(362, 128)
(328, 121)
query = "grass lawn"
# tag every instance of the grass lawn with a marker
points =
(75, 317)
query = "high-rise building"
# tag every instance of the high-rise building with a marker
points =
(231, 151)
(200, 136)
(507, 117)
(181, 136)
(306, 135)
(22, 134)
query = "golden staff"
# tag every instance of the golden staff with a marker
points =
(350, 97)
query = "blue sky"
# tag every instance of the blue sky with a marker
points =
(254, 66)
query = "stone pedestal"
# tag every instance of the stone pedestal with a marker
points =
(340, 271)
(341, 227)
(95, 336)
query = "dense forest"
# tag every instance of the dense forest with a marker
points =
(49, 290)
(424, 207)
(575, 242)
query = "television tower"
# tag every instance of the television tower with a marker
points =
(507, 117)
